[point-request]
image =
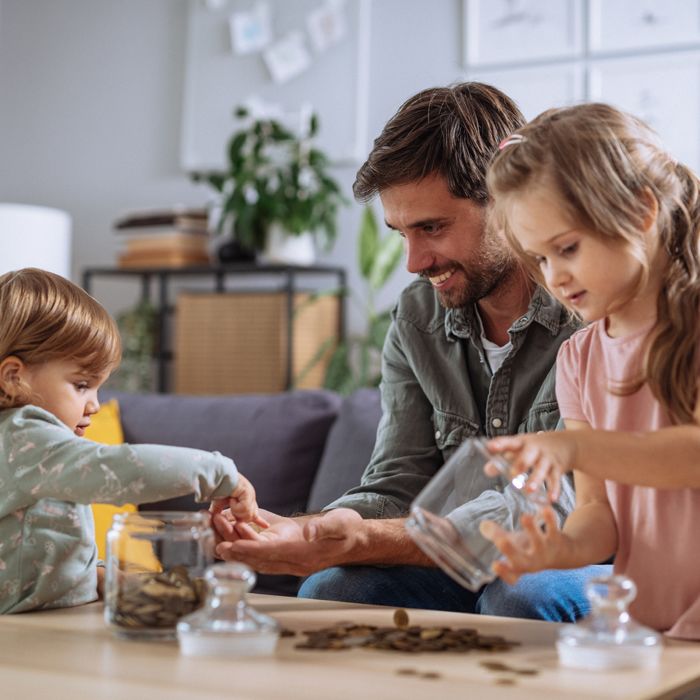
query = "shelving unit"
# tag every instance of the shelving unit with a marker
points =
(157, 285)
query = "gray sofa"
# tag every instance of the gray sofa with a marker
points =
(300, 449)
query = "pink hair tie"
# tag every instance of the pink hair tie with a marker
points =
(510, 140)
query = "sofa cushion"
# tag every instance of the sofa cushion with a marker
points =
(348, 448)
(276, 440)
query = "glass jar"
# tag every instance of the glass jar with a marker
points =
(445, 518)
(226, 625)
(155, 564)
(609, 638)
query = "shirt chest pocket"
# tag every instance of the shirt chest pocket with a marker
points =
(543, 416)
(451, 431)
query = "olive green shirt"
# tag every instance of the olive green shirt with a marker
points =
(438, 390)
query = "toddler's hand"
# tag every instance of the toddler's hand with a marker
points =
(534, 548)
(241, 504)
(101, 582)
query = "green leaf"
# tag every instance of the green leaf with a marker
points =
(378, 328)
(235, 149)
(313, 125)
(387, 259)
(368, 243)
(338, 369)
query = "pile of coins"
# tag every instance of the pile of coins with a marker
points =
(156, 600)
(402, 637)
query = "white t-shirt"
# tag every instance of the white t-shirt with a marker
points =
(495, 354)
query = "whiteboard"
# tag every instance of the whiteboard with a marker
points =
(217, 80)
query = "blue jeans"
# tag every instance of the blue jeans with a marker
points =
(556, 596)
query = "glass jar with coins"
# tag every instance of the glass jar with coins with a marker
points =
(154, 569)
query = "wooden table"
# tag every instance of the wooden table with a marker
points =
(71, 654)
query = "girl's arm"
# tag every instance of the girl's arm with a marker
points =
(667, 458)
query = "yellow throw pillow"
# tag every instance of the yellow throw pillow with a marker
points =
(106, 427)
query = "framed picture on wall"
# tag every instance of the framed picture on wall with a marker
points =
(513, 31)
(623, 25)
(649, 87)
(537, 89)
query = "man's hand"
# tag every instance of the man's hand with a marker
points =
(299, 546)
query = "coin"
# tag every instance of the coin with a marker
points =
(400, 617)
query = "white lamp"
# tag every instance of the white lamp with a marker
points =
(32, 236)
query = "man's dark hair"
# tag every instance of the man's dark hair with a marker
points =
(452, 131)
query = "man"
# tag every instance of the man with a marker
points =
(470, 351)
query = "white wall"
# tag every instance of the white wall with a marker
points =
(90, 103)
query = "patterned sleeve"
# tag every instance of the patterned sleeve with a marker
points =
(568, 386)
(44, 459)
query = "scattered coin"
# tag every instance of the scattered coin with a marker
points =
(495, 666)
(286, 632)
(400, 618)
(432, 675)
(500, 667)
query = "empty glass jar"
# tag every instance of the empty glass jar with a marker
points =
(609, 638)
(155, 565)
(226, 625)
(445, 519)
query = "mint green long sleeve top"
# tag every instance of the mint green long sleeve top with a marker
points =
(48, 478)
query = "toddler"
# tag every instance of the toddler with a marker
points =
(57, 347)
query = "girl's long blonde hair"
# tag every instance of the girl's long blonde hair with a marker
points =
(604, 164)
(44, 317)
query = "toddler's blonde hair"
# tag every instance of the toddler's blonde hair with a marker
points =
(45, 317)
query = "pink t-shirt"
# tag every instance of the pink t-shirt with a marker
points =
(658, 529)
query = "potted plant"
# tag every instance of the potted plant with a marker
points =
(276, 186)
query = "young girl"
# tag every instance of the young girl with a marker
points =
(601, 214)
(57, 347)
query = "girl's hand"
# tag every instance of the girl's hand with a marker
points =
(534, 548)
(241, 504)
(546, 457)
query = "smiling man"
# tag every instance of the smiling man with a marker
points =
(470, 352)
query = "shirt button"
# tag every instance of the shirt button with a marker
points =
(496, 422)
(437, 434)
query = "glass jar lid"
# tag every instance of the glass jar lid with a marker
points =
(226, 624)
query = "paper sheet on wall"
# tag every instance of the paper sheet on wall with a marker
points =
(287, 58)
(326, 25)
(251, 31)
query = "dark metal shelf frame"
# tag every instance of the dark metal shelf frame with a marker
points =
(163, 277)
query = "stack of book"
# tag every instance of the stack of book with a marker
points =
(163, 238)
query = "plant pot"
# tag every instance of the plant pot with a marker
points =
(289, 249)
(232, 251)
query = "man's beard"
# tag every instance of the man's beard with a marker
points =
(491, 265)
